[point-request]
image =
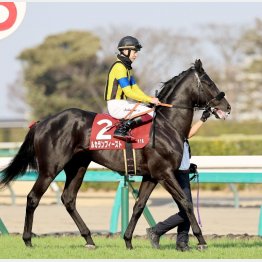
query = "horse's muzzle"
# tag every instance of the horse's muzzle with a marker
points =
(219, 113)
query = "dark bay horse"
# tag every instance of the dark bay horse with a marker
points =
(60, 142)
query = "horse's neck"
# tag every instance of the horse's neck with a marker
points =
(179, 119)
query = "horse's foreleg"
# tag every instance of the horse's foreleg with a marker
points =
(72, 185)
(33, 199)
(174, 189)
(145, 189)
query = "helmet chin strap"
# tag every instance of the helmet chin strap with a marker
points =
(128, 54)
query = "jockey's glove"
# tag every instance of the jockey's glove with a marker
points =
(206, 114)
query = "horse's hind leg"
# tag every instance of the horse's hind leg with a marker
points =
(174, 189)
(74, 178)
(145, 190)
(33, 199)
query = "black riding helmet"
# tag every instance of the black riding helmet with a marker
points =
(130, 43)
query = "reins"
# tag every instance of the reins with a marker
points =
(175, 106)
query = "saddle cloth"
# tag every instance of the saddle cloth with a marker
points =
(102, 134)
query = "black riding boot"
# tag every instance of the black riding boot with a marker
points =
(122, 132)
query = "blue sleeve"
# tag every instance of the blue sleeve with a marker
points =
(123, 82)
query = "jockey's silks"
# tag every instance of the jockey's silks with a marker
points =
(121, 84)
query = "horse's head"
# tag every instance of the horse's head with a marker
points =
(208, 95)
(193, 88)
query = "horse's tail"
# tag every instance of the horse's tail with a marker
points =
(24, 158)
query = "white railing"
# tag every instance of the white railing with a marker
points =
(10, 145)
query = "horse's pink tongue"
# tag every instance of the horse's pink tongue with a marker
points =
(221, 114)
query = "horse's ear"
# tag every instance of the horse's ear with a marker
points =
(198, 65)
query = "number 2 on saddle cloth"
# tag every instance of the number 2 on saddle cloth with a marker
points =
(103, 129)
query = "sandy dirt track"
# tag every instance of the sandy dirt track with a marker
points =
(217, 213)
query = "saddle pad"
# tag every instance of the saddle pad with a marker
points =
(102, 134)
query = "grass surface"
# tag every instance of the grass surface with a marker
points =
(114, 247)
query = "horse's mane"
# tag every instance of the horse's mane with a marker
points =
(173, 82)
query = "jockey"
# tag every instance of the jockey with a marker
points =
(122, 92)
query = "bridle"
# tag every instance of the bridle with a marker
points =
(207, 106)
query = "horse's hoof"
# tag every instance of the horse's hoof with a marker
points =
(128, 244)
(182, 246)
(88, 246)
(201, 247)
(28, 244)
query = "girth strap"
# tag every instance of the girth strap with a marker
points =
(129, 159)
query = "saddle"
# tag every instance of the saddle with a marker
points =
(103, 129)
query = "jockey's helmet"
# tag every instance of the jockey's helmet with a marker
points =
(130, 43)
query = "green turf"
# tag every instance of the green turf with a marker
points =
(114, 247)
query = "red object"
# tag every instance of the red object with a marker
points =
(32, 124)
(102, 134)
(9, 22)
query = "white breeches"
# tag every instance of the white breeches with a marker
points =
(120, 108)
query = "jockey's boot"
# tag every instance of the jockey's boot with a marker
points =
(123, 131)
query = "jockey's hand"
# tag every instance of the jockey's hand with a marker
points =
(206, 114)
(155, 101)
